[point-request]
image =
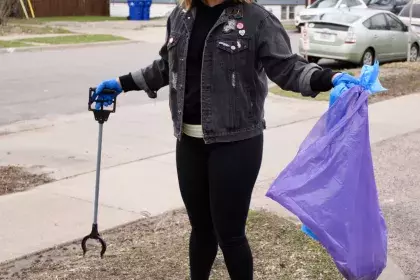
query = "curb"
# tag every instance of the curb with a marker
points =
(66, 46)
(78, 240)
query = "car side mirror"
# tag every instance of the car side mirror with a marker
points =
(405, 29)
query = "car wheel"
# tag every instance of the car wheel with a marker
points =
(368, 57)
(414, 53)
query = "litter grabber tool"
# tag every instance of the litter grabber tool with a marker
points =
(102, 106)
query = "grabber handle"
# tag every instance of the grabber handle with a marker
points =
(102, 114)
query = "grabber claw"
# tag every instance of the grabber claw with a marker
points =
(96, 236)
(101, 116)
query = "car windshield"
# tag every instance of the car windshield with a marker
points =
(324, 4)
(406, 11)
(339, 17)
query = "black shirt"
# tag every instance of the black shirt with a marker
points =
(206, 18)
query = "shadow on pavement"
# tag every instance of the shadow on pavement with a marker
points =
(336, 65)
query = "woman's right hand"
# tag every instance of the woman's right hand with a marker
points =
(113, 84)
(106, 97)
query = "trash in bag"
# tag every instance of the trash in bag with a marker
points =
(330, 184)
(369, 80)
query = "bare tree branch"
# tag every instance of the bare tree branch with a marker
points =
(6, 9)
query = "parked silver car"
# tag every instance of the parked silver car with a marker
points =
(321, 7)
(360, 38)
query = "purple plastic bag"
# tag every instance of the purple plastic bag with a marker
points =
(330, 186)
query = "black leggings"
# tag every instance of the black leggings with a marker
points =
(216, 183)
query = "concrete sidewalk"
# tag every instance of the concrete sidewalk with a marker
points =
(153, 31)
(145, 34)
(67, 145)
(144, 31)
(32, 36)
(139, 173)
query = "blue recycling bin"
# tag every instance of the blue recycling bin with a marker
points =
(146, 9)
(135, 10)
(139, 9)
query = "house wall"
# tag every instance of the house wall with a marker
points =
(160, 8)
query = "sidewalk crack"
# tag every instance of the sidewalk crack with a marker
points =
(145, 214)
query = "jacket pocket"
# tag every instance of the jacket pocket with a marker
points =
(173, 40)
(233, 54)
(174, 54)
(233, 46)
(233, 58)
(174, 50)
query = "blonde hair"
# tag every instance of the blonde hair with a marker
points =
(187, 4)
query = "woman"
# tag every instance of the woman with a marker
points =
(215, 60)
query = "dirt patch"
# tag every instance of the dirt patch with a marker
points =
(157, 248)
(16, 179)
(400, 78)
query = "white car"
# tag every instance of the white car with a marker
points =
(415, 17)
(321, 7)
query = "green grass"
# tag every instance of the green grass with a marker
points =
(41, 20)
(60, 40)
(12, 44)
(73, 39)
(324, 96)
(15, 28)
(289, 27)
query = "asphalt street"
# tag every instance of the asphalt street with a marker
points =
(56, 82)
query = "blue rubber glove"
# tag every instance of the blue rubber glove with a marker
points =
(341, 83)
(344, 78)
(106, 99)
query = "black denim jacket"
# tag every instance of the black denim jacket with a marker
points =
(246, 45)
